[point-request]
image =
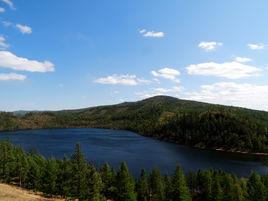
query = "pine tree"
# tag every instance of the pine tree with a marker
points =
(142, 187)
(125, 185)
(95, 186)
(217, 192)
(6, 159)
(21, 166)
(64, 179)
(204, 180)
(243, 185)
(79, 172)
(50, 177)
(227, 187)
(264, 179)
(157, 187)
(191, 180)
(256, 189)
(180, 190)
(237, 193)
(34, 176)
(168, 189)
(108, 179)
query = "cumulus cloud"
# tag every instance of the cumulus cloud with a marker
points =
(9, 3)
(11, 76)
(209, 46)
(130, 80)
(3, 44)
(229, 93)
(167, 73)
(7, 23)
(152, 34)
(173, 91)
(2, 10)
(256, 46)
(11, 61)
(242, 59)
(230, 70)
(24, 29)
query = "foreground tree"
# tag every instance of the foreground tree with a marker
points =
(49, 181)
(204, 185)
(217, 192)
(157, 186)
(180, 190)
(142, 187)
(76, 179)
(21, 166)
(108, 179)
(256, 189)
(95, 187)
(125, 185)
(79, 173)
(6, 158)
(64, 179)
(36, 168)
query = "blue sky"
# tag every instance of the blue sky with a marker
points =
(79, 53)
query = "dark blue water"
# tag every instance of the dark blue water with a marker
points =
(115, 146)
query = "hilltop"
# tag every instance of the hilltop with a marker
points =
(186, 122)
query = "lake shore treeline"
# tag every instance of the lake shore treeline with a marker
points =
(75, 178)
(191, 123)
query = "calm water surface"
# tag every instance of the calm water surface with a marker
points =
(115, 146)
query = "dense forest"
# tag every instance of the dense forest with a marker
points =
(74, 178)
(185, 122)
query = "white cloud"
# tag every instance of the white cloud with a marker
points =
(142, 31)
(242, 59)
(11, 61)
(173, 91)
(2, 10)
(256, 46)
(130, 80)
(9, 3)
(167, 73)
(11, 76)
(3, 44)
(7, 23)
(152, 34)
(230, 93)
(209, 46)
(24, 29)
(230, 70)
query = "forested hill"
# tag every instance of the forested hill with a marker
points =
(181, 121)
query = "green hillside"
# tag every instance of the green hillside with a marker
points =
(181, 121)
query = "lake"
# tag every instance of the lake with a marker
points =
(115, 146)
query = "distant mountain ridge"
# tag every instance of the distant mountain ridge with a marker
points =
(181, 121)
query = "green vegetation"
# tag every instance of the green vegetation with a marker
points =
(185, 122)
(74, 178)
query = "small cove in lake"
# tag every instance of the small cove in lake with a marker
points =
(115, 146)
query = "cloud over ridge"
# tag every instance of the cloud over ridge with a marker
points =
(130, 80)
(230, 70)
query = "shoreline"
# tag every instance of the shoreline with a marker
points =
(242, 152)
(257, 154)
